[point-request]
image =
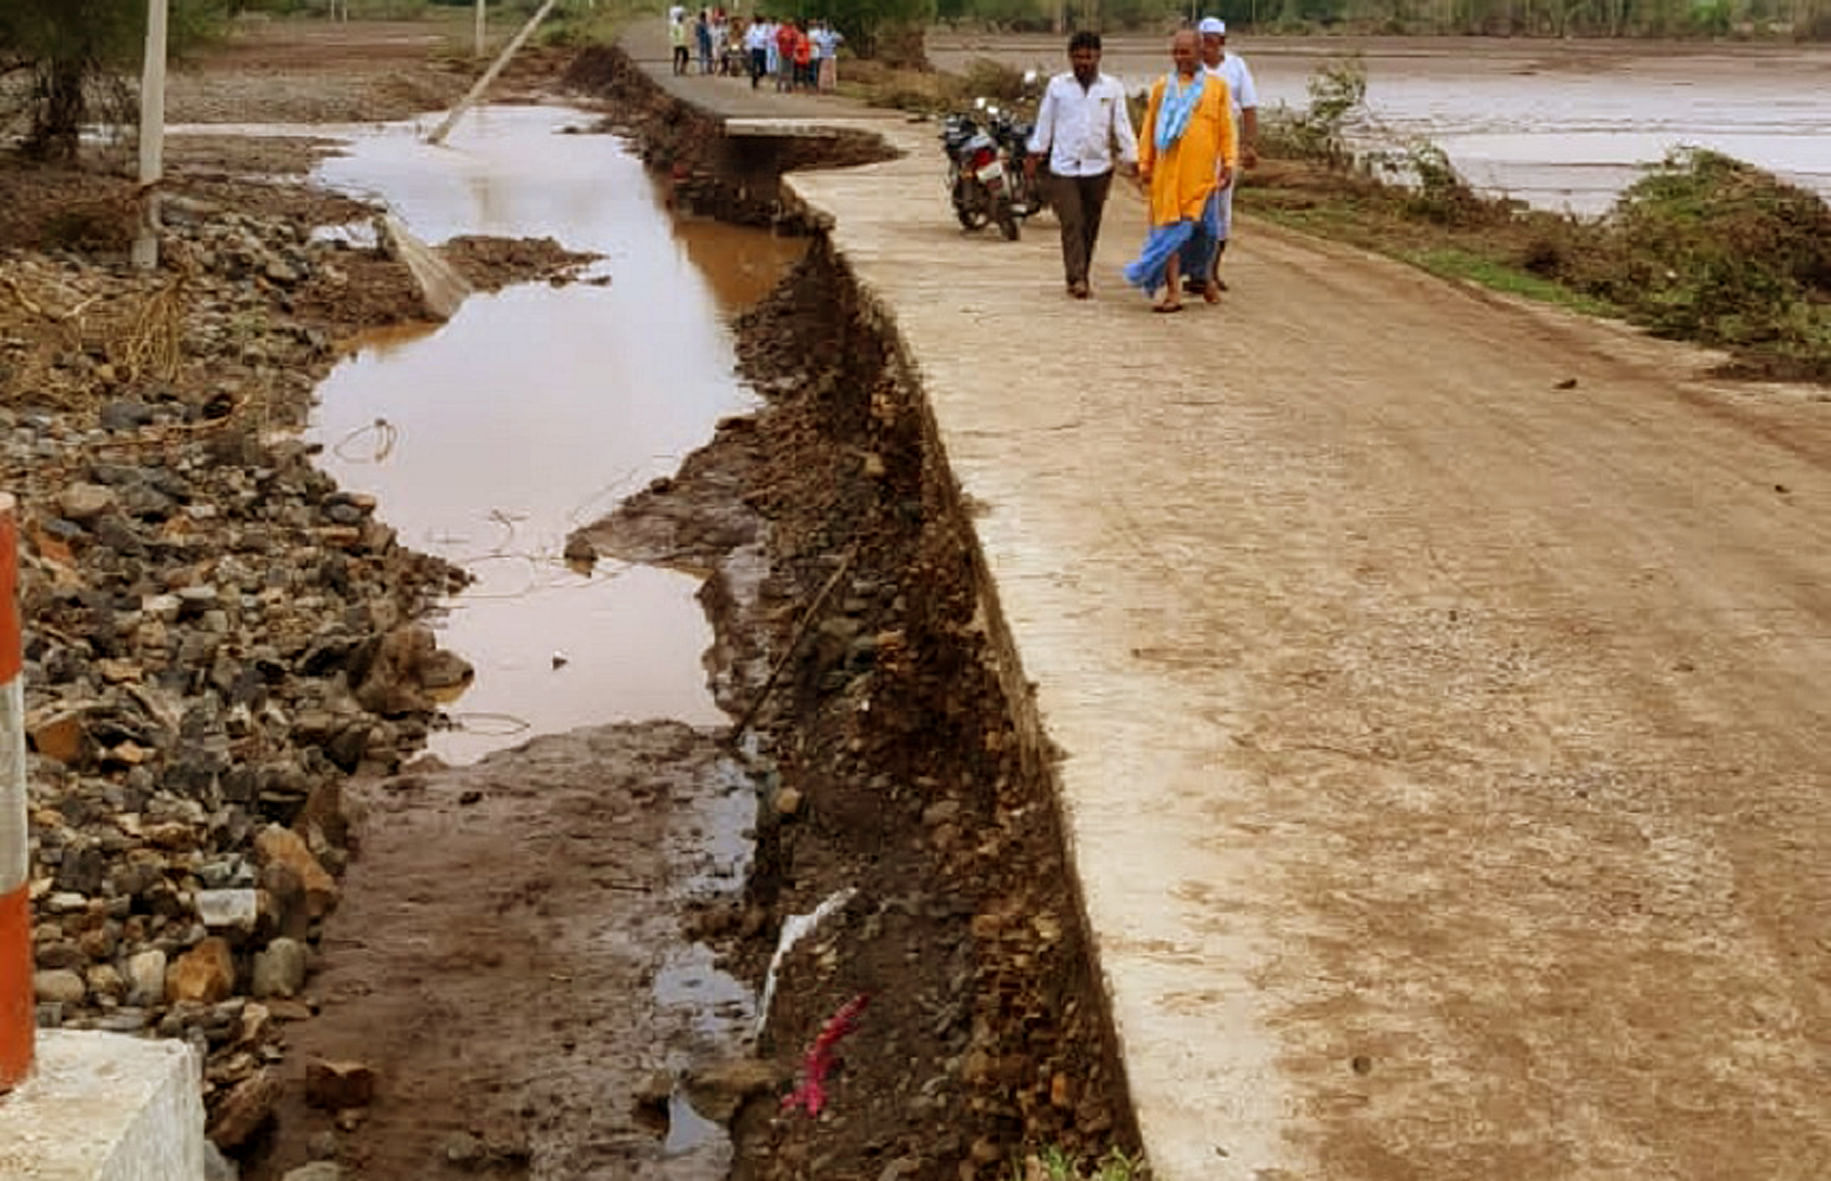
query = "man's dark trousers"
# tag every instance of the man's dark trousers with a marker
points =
(1079, 202)
(759, 65)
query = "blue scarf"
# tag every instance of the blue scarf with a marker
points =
(1178, 106)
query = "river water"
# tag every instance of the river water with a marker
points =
(1562, 125)
(534, 410)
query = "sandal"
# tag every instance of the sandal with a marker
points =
(1167, 306)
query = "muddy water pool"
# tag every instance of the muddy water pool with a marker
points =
(1557, 124)
(534, 410)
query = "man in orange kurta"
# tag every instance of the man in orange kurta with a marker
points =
(1188, 148)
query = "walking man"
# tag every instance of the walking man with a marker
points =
(1187, 151)
(756, 40)
(1081, 122)
(1231, 68)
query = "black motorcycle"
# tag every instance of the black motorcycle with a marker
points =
(978, 175)
(1028, 197)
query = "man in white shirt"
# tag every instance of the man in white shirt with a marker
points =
(1230, 68)
(756, 40)
(1082, 120)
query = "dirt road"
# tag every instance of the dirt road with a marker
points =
(1439, 685)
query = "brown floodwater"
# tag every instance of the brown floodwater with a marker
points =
(536, 409)
(1560, 124)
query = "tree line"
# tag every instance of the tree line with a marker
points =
(1796, 19)
(62, 62)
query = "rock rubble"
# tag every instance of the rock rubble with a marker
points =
(216, 637)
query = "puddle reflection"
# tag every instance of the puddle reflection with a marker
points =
(488, 440)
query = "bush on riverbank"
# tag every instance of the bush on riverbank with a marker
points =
(1708, 248)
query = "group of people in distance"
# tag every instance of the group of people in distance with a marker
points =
(799, 55)
(1200, 128)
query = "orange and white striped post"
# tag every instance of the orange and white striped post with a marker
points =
(17, 1021)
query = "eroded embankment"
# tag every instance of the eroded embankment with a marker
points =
(732, 179)
(856, 632)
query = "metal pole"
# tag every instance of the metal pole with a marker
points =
(489, 75)
(152, 136)
(17, 1020)
(483, 24)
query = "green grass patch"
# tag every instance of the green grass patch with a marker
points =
(1456, 262)
(1054, 1164)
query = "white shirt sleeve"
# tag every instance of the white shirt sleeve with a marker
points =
(1044, 134)
(1123, 135)
(1248, 98)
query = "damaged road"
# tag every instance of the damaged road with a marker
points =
(549, 963)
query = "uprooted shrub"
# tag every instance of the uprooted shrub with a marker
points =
(1708, 248)
(1318, 132)
(1432, 189)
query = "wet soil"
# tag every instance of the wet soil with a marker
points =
(490, 264)
(895, 772)
(322, 72)
(502, 958)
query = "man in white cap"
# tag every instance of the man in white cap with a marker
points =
(1231, 68)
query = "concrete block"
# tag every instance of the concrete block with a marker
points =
(104, 1107)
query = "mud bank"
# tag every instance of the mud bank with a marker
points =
(856, 634)
(508, 964)
(734, 180)
(905, 788)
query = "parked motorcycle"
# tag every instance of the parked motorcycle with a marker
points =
(1012, 135)
(978, 176)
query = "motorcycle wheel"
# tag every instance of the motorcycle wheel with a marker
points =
(972, 214)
